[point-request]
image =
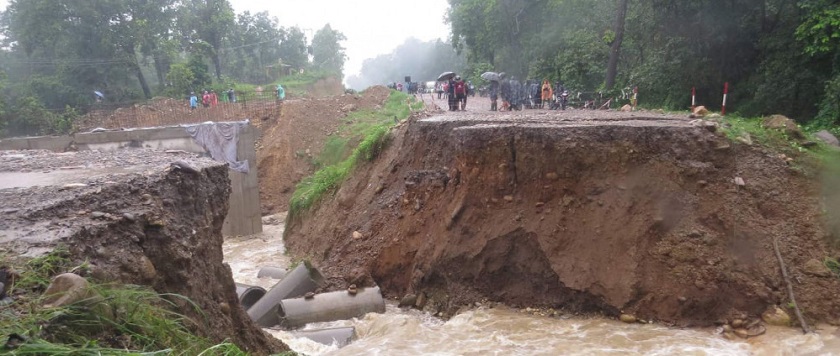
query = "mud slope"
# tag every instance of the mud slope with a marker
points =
(135, 220)
(290, 144)
(597, 213)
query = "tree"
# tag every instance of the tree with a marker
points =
(615, 48)
(208, 21)
(254, 47)
(293, 51)
(327, 52)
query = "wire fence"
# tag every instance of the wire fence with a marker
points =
(169, 112)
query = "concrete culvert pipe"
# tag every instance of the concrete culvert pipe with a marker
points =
(248, 295)
(301, 280)
(330, 306)
(272, 272)
(333, 336)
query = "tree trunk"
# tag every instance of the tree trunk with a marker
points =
(217, 64)
(615, 50)
(129, 49)
(146, 91)
(160, 68)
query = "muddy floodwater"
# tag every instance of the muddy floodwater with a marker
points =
(504, 331)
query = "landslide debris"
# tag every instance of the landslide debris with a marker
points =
(619, 213)
(129, 217)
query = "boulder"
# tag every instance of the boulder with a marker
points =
(828, 138)
(627, 318)
(776, 316)
(781, 122)
(66, 289)
(816, 268)
(700, 111)
(745, 138)
(409, 300)
(627, 108)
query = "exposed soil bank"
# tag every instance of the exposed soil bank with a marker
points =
(291, 142)
(142, 223)
(589, 211)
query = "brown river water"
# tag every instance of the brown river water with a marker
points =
(504, 331)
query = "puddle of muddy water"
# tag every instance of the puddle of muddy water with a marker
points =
(503, 331)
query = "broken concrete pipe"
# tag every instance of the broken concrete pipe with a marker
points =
(272, 272)
(248, 295)
(333, 336)
(301, 280)
(330, 307)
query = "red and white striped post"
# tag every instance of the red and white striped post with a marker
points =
(725, 92)
(693, 98)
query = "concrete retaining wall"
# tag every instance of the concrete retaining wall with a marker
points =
(244, 216)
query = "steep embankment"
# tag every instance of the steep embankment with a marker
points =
(130, 218)
(291, 142)
(608, 213)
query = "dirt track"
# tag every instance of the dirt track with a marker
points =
(585, 210)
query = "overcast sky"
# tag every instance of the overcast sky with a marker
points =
(372, 27)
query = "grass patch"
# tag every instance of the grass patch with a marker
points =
(367, 127)
(833, 265)
(336, 149)
(810, 160)
(120, 320)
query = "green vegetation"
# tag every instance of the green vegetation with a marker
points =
(121, 320)
(740, 129)
(833, 265)
(367, 127)
(59, 52)
(778, 57)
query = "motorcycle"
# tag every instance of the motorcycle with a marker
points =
(560, 100)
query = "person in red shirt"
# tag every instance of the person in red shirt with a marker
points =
(214, 99)
(460, 93)
(205, 99)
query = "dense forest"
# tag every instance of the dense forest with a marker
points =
(58, 56)
(778, 56)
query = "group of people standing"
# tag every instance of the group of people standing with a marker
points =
(456, 90)
(516, 95)
(210, 99)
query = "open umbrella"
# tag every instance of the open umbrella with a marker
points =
(446, 76)
(491, 76)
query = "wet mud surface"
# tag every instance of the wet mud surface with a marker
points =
(133, 218)
(589, 211)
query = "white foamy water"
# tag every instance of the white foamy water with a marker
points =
(504, 331)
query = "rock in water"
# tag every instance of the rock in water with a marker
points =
(66, 289)
(627, 318)
(776, 316)
(827, 137)
(408, 301)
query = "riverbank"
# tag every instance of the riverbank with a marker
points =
(656, 216)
